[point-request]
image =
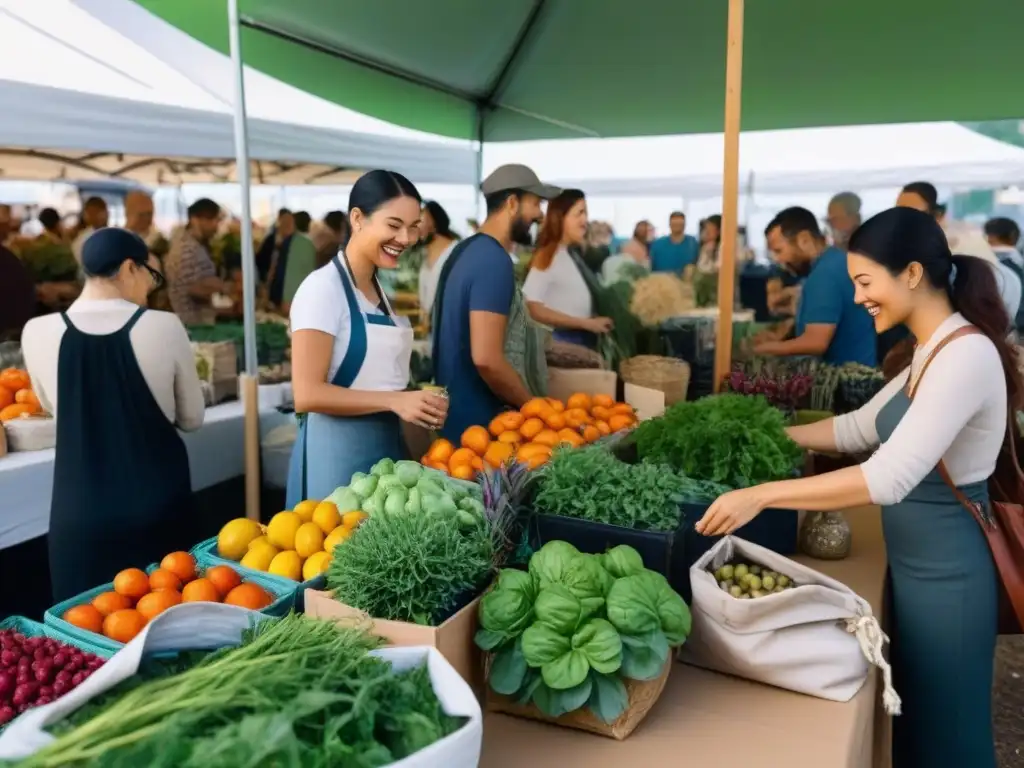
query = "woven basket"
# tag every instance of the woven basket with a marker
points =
(642, 697)
(664, 374)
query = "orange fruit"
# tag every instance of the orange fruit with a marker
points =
(504, 422)
(6, 397)
(181, 564)
(85, 617)
(477, 464)
(538, 460)
(15, 411)
(511, 436)
(14, 379)
(531, 428)
(578, 400)
(161, 578)
(248, 595)
(463, 472)
(603, 428)
(476, 439)
(548, 437)
(591, 433)
(554, 420)
(535, 407)
(531, 449)
(439, 466)
(155, 603)
(556, 405)
(570, 437)
(440, 450)
(576, 418)
(463, 456)
(200, 591)
(224, 578)
(624, 408)
(601, 412)
(108, 602)
(132, 583)
(603, 401)
(123, 626)
(620, 421)
(27, 397)
(498, 454)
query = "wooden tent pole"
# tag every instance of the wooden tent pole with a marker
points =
(730, 192)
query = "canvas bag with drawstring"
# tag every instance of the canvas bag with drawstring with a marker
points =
(818, 638)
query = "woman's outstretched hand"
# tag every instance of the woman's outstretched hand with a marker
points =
(421, 407)
(731, 511)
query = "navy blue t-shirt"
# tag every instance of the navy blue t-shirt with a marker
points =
(481, 280)
(827, 299)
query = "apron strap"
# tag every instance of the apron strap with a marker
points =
(127, 327)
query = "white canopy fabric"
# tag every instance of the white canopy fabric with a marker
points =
(90, 101)
(771, 162)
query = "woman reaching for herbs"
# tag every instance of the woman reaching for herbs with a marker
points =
(946, 414)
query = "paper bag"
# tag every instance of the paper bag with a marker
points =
(192, 626)
(817, 638)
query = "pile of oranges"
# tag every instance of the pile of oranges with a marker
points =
(529, 435)
(137, 598)
(16, 396)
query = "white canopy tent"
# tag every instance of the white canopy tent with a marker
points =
(90, 101)
(771, 162)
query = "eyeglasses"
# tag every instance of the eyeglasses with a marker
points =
(158, 279)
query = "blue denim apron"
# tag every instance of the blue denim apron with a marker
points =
(330, 449)
(944, 594)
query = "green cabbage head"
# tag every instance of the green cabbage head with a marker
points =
(565, 661)
(644, 603)
(508, 608)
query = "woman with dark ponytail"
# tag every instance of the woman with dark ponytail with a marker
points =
(946, 428)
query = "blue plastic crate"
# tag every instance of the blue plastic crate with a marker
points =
(31, 628)
(205, 553)
(282, 594)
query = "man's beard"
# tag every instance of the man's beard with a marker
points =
(521, 231)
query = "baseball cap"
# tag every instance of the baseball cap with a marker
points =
(105, 250)
(515, 176)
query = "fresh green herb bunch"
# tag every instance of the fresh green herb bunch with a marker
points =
(591, 484)
(297, 693)
(732, 439)
(410, 567)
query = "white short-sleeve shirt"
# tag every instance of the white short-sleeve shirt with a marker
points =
(560, 287)
(320, 304)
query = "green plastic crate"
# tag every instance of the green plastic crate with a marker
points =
(283, 600)
(31, 628)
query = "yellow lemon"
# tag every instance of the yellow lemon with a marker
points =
(315, 565)
(287, 564)
(309, 539)
(326, 515)
(304, 509)
(282, 529)
(259, 557)
(352, 519)
(260, 541)
(234, 538)
(335, 537)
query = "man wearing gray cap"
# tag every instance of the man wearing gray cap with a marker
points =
(843, 217)
(478, 315)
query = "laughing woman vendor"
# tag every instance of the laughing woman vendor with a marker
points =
(350, 352)
(942, 420)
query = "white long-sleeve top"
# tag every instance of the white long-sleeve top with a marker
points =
(160, 343)
(958, 414)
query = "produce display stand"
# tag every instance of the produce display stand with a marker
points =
(705, 718)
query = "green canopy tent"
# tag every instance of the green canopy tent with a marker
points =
(538, 69)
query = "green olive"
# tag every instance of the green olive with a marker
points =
(783, 580)
(757, 593)
(768, 582)
(736, 591)
(726, 572)
(754, 582)
(756, 570)
(740, 571)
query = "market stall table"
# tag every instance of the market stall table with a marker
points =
(705, 718)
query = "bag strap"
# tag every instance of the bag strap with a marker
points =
(972, 506)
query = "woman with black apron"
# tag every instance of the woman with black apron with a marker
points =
(351, 352)
(118, 377)
(557, 290)
(939, 428)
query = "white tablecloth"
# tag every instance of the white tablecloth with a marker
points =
(216, 453)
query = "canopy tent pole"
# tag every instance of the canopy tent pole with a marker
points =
(479, 180)
(250, 380)
(730, 192)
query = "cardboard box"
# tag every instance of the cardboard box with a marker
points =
(453, 638)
